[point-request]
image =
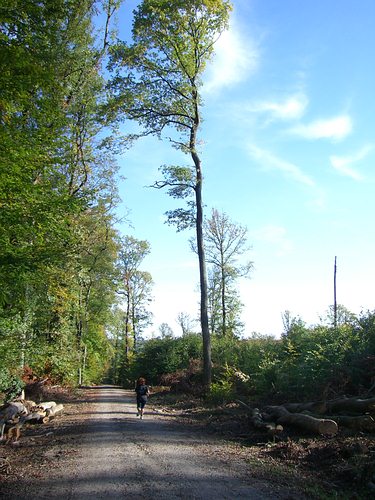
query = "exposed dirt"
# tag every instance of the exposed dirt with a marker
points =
(98, 449)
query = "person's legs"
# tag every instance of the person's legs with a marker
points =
(139, 405)
(143, 402)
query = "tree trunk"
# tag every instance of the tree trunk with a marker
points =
(316, 425)
(127, 321)
(223, 305)
(334, 406)
(203, 288)
(134, 321)
(200, 247)
(318, 407)
(354, 405)
(360, 423)
(334, 295)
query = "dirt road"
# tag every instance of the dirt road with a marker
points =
(107, 452)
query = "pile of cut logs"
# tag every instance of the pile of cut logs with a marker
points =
(15, 414)
(323, 417)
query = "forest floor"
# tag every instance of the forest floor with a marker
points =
(98, 448)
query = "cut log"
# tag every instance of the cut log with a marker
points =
(15, 414)
(54, 411)
(345, 405)
(351, 405)
(47, 405)
(28, 404)
(33, 418)
(317, 407)
(359, 423)
(10, 410)
(257, 421)
(317, 425)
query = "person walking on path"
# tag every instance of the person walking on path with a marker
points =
(142, 391)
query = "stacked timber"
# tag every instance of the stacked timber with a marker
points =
(16, 414)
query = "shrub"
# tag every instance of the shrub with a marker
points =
(221, 392)
(187, 380)
(10, 385)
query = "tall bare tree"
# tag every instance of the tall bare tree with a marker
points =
(158, 83)
(186, 322)
(226, 242)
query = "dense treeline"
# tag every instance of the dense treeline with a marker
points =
(58, 244)
(307, 362)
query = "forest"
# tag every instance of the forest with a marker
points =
(74, 298)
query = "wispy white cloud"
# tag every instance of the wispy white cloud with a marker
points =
(275, 236)
(290, 108)
(336, 128)
(343, 164)
(268, 160)
(236, 58)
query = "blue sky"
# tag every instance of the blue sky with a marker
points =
(288, 150)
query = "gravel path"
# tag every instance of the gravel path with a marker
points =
(110, 453)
